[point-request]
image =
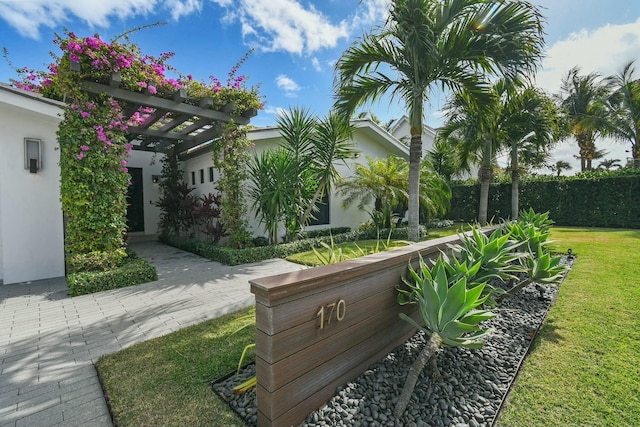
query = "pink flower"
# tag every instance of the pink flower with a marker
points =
(91, 106)
(152, 90)
(80, 156)
(125, 170)
(74, 57)
(124, 163)
(142, 84)
(84, 147)
(84, 114)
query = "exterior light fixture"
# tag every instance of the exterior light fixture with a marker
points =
(155, 178)
(32, 154)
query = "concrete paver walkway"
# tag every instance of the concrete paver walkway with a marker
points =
(49, 341)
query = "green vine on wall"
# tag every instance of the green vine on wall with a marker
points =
(230, 157)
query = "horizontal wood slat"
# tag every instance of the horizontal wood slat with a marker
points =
(298, 363)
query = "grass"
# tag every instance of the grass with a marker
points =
(585, 369)
(367, 246)
(165, 381)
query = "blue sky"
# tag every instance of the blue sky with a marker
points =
(297, 42)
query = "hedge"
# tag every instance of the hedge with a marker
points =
(586, 200)
(133, 271)
(230, 256)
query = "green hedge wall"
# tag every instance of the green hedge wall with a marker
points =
(133, 271)
(587, 200)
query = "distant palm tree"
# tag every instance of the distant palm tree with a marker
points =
(625, 108)
(582, 99)
(457, 43)
(608, 164)
(560, 166)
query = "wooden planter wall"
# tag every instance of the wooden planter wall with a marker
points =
(319, 328)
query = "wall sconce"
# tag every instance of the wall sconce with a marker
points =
(155, 179)
(32, 154)
(356, 156)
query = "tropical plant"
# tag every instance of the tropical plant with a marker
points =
(582, 101)
(559, 166)
(206, 214)
(457, 43)
(625, 107)
(608, 164)
(444, 159)
(517, 117)
(542, 268)
(448, 316)
(301, 171)
(383, 182)
(273, 189)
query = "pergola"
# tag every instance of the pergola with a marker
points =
(169, 122)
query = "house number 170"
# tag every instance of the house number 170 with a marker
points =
(326, 312)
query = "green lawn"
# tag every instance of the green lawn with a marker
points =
(165, 381)
(585, 370)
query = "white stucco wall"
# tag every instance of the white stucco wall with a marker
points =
(31, 227)
(369, 138)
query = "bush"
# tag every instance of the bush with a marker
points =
(324, 232)
(230, 256)
(96, 261)
(594, 199)
(133, 271)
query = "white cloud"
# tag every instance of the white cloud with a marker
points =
(603, 50)
(370, 13)
(28, 16)
(284, 25)
(289, 86)
(316, 64)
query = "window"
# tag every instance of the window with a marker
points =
(211, 174)
(201, 176)
(193, 178)
(322, 216)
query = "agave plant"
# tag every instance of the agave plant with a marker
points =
(540, 221)
(496, 255)
(533, 238)
(543, 268)
(448, 315)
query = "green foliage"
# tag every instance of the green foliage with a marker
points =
(495, 254)
(96, 261)
(133, 271)
(590, 199)
(233, 256)
(176, 201)
(230, 157)
(449, 311)
(336, 255)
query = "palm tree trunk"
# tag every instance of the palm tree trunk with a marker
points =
(485, 176)
(415, 156)
(425, 355)
(515, 182)
(316, 196)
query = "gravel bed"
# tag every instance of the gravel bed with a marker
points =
(474, 384)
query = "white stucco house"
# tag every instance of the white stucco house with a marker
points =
(31, 217)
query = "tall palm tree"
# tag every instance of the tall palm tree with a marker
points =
(531, 128)
(443, 158)
(456, 43)
(625, 106)
(582, 99)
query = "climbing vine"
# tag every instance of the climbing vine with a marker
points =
(230, 157)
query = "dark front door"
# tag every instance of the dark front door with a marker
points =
(135, 202)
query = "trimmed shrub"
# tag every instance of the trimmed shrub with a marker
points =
(133, 271)
(230, 256)
(594, 199)
(96, 261)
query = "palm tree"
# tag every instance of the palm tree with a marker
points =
(625, 106)
(531, 128)
(425, 42)
(582, 99)
(443, 158)
(559, 166)
(382, 182)
(608, 164)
